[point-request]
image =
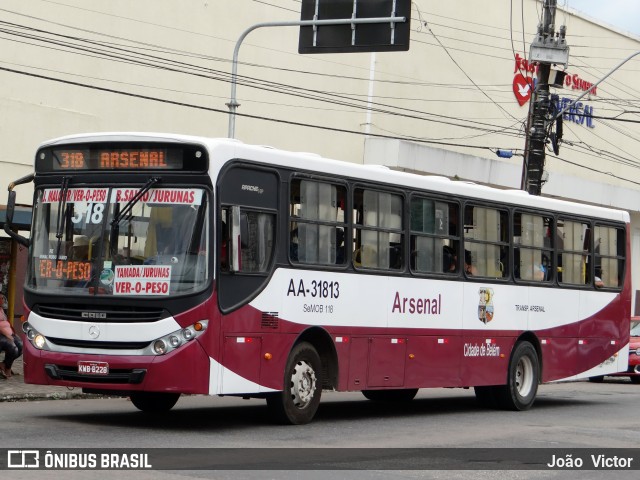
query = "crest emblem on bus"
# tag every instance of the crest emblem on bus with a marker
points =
(485, 305)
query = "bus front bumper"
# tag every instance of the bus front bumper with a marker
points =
(185, 370)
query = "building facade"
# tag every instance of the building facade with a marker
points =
(445, 107)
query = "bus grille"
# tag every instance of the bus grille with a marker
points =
(92, 344)
(63, 372)
(101, 313)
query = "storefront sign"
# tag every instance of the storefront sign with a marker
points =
(579, 113)
(524, 86)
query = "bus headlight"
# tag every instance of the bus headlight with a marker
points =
(160, 347)
(36, 338)
(39, 341)
(174, 340)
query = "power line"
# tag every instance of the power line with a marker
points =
(178, 66)
(274, 87)
(256, 117)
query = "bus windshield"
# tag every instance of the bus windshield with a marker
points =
(132, 241)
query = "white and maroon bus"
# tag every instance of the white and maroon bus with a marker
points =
(168, 264)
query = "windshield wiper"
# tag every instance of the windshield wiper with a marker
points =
(62, 206)
(117, 218)
(131, 203)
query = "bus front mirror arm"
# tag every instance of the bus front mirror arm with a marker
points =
(11, 207)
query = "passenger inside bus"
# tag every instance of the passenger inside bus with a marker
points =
(339, 246)
(293, 244)
(449, 259)
(469, 267)
(597, 280)
(80, 249)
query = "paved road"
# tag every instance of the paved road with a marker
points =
(568, 415)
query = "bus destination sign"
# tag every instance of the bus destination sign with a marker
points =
(117, 159)
(122, 157)
(63, 270)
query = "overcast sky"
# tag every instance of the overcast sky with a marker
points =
(623, 14)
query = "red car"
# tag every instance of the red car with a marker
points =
(633, 371)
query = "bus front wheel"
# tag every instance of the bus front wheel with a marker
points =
(154, 402)
(298, 402)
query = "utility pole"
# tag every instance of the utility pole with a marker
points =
(547, 48)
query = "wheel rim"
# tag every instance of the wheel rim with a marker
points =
(303, 384)
(524, 376)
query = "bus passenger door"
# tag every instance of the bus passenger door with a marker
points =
(246, 233)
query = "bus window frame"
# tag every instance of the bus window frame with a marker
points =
(436, 197)
(346, 224)
(551, 282)
(623, 258)
(508, 208)
(353, 225)
(589, 253)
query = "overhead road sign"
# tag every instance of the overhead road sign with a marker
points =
(355, 26)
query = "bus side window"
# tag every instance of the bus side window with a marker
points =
(486, 237)
(609, 256)
(574, 256)
(434, 236)
(378, 230)
(316, 219)
(532, 247)
(256, 241)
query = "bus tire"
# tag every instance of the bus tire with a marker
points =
(597, 379)
(634, 379)
(298, 403)
(400, 395)
(154, 402)
(522, 381)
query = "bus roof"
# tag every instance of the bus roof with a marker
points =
(222, 150)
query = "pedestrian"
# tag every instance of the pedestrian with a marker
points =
(10, 343)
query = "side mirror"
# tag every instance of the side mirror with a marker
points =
(11, 207)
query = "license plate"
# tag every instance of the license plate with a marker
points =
(93, 368)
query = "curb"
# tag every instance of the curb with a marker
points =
(30, 397)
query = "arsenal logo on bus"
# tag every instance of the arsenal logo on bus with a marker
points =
(485, 305)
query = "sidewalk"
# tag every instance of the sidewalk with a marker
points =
(14, 389)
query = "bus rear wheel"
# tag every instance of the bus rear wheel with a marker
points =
(401, 395)
(154, 402)
(522, 382)
(298, 403)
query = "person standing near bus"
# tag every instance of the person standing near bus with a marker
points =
(10, 343)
